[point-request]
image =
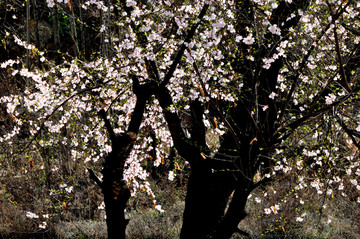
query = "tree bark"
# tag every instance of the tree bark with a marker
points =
(207, 196)
(56, 28)
(235, 213)
(28, 33)
(73, 32)
(114, 187)
(217, 193)
(116, 196)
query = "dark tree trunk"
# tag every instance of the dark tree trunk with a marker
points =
(216, 197)
(114, 187)
(235, 213)
(116, 196)
(56, 28)
(207, 196)
(28, 33)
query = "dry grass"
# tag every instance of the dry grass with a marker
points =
(326, 216)
(150, 223)
(81, 229)
(82, 219)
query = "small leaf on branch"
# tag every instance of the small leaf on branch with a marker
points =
(216, 123)
(177, 166)
(69, 3)
(253, 140)
(14, 117)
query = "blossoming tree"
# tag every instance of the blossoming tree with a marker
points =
(273, 83)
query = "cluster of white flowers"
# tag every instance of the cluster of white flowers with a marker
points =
(273, 209)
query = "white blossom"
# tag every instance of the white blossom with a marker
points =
(249, 40)
(329, 99)
(274, 29)
(171, 175)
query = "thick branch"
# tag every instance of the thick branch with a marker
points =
(95, 178)
(197, 125)
(349, 132)
(216, 109)
(181, 143)
(137, 115)
(108, 126)
(142, 92)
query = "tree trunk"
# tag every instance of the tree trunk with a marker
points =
(207, 197)
(73, 33)
(114, 187)
(28, 33)
(217, 192)
(116, 196)
(56, 28)
(208, 213)
(82, 35)
(234, 215)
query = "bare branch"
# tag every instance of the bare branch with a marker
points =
(108, 126)
(284, 132)
(349, 132)
(94, 177)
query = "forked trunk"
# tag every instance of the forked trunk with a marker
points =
(114, 188)
(207, 196)
(235, 213)
(207, 212)
(217, 194)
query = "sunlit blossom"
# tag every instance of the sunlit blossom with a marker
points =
(43, 225)
(329, 99)
(31, 215)
(274, 29)
(249, 40)
(159, 208)
(267, 210)
(272, 95)
(171, 175)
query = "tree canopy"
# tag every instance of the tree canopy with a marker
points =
(244, 92)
